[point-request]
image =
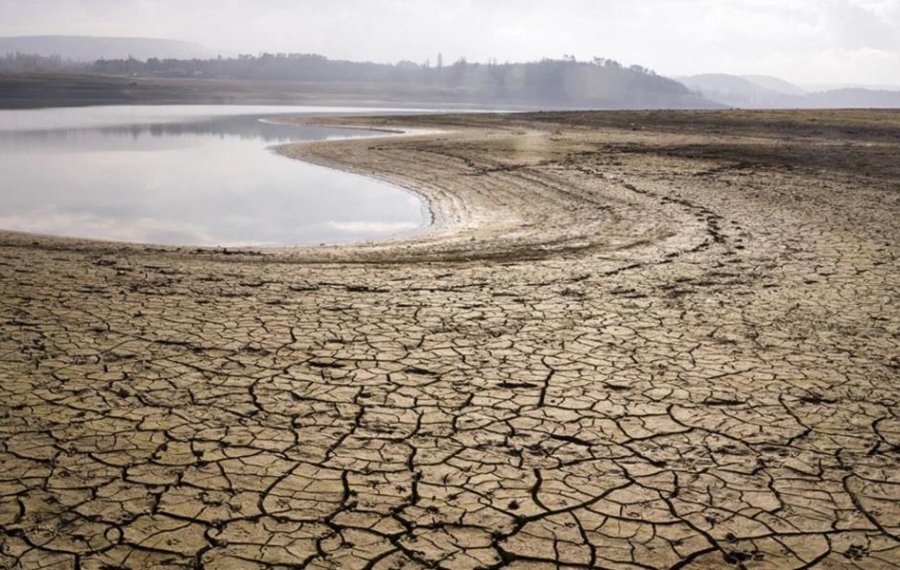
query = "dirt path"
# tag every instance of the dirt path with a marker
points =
(632, 340)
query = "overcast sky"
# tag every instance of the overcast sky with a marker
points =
(807, 41)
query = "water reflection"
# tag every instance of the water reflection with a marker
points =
(186, 179)
(248, 127)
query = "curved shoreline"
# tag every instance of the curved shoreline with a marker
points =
(481, 208)
(465, 225)
(286, 151)
(260, 223)
(497, 220)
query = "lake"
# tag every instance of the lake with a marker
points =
(188, 175)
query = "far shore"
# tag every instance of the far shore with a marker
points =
(43, 90)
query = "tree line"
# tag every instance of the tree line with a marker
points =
(565, 81)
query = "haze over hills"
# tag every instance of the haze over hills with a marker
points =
(764, 92)
(92, 48)
(549, 83)
(730, 90)
(776, 84)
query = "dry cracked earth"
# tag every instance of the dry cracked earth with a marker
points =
(631, 340)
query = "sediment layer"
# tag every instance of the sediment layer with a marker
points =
(630, 340)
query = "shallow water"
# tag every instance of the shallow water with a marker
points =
(187, 175)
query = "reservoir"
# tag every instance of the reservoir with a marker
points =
(188, 175)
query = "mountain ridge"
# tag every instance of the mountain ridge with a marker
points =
(766, 92)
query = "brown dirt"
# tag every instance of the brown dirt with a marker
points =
(631, 340)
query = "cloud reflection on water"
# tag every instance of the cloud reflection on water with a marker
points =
(188, 181)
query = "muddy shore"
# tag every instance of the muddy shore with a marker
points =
(630, 340)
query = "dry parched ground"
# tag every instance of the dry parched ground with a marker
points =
(633, 340)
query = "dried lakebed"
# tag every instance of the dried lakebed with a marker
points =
(631, 340)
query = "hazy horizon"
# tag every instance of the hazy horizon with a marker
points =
(803, 41)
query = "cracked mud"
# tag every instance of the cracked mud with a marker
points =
(631, 340)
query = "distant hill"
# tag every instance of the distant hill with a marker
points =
(549, 83)
(745, 92)
(816, 87)
(775, 84)
(546, 84)
(858, 98)
(764, 92)
(92, 48)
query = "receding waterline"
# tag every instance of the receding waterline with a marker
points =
(189, 175)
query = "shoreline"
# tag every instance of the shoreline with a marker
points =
(653, 340)
(20, 237)
(457, 224)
